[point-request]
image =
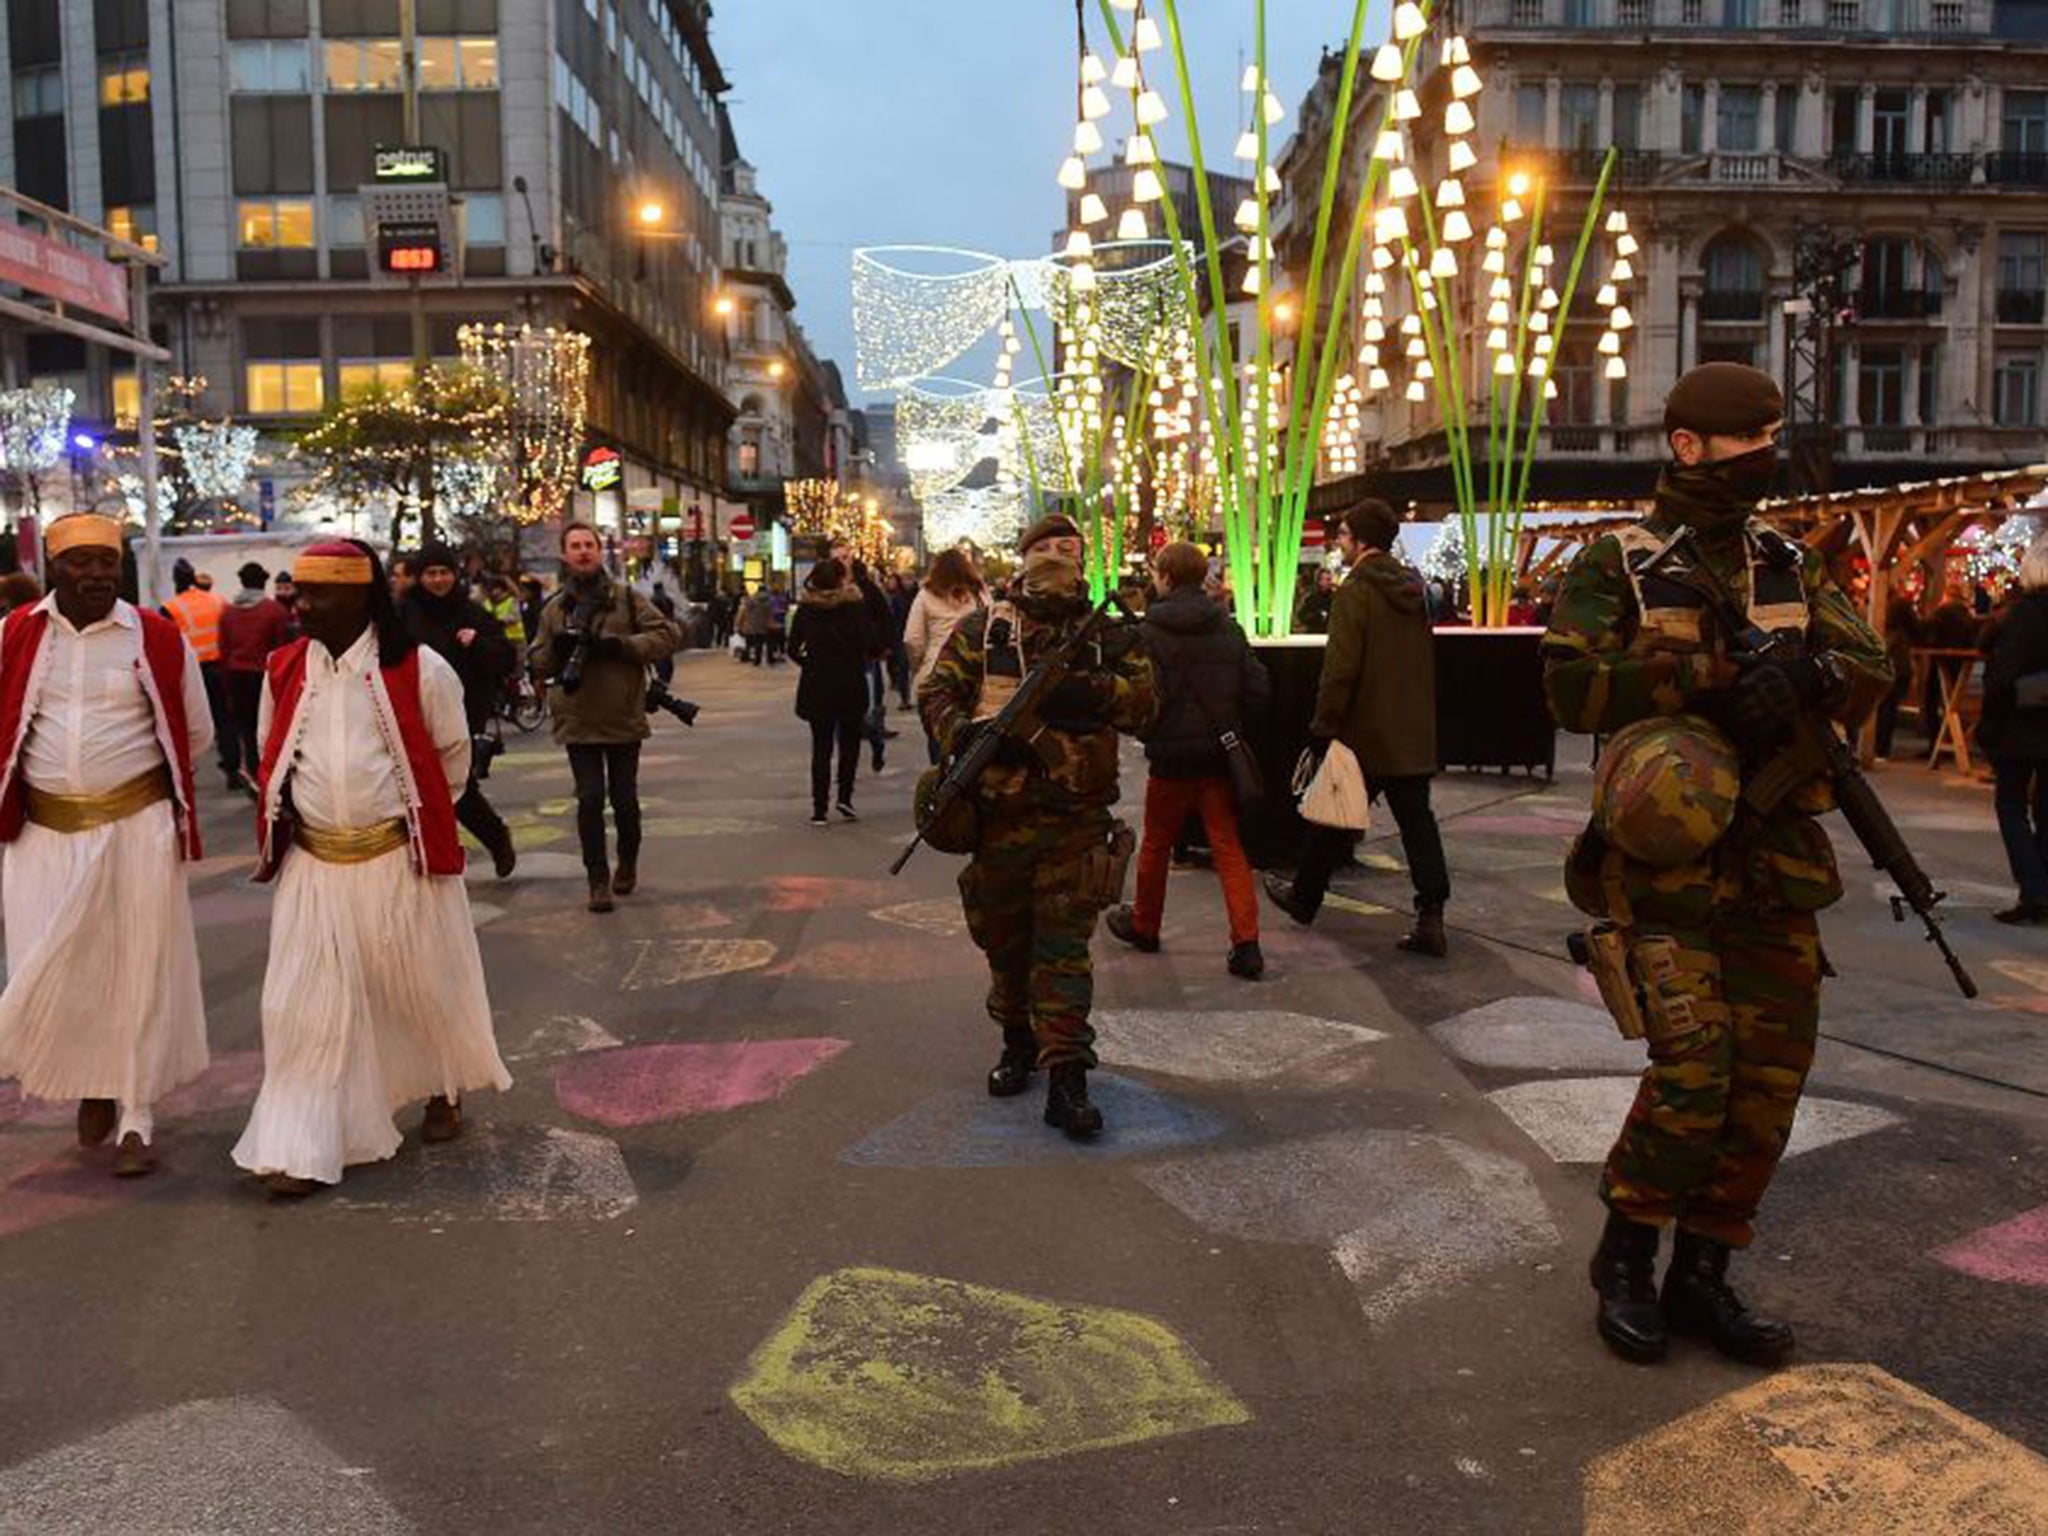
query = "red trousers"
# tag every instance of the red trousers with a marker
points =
(1168, 804)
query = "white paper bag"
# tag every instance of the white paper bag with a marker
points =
(1335, 795)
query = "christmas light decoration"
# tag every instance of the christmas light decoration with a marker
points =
(545, 373)
(910, 321)
(215, 457)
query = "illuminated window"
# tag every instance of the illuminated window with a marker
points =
(283, 389)
(438, 69)
(124, 79)
(127, 397)
(136, 225)
(365, 64)
(361, 373)
(479, 63)
(274, 223)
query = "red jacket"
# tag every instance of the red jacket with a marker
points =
(249, 632)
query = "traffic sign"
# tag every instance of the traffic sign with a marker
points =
(741, 527)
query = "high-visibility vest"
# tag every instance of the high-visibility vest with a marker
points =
(197, 615)
(506, 611)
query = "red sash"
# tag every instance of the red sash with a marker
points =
(163, 679)
(430, 809)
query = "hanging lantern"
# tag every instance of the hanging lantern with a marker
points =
(1132, 225)
(1145, 38)
(1617, 368)
(1125, 76)
(1151, 109)
(1387, 64)
(1094, 104)
(1409, 21)
(1093, 209)
(1247, 145)
(1463, 157)
(1458, 118)
(1445, 262)
(1092, 72)
(1073, 173)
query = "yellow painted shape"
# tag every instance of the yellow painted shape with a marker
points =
(1385, 862)
(1361, 908)
(2028, 973)
(1823, 1450)
(905, 1378)
(940, 916)
(555, 808)
(525, 835)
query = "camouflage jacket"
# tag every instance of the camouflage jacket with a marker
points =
(1077, 763)
(1605, 667)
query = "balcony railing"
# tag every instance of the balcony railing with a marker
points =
(1905, 170)
(2021, 306)
(1743, 168)
(1945, 16)
(1897, 304)
(2010, 170)
(1631, 13)
(1888, 439)
(1566, 438)
(1738, 304)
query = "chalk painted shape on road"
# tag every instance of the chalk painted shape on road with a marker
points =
(1403, 1213)
(1575, 1119)
(2028, 973)
(1337, 901)
(1224, 1047)
(674, 962)
(45, 1177)
(566, 1034)
(650, 1084)
(705, 826)
(2013, 1252)
(229, 1081)
(965, 1128)
(941, 916)
(1825, 1450)
(498, 1173)
(215, 1464)
(534, 866)
(904, 1378)
(890, 961)
(1538, 1034)
(816, 893)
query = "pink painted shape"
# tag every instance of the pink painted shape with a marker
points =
(231, 1080)
(888, 961)
(814, 893)
(2015, 1251)
(46, 1178)
(648, 1084)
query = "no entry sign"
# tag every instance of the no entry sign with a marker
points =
(741, 527)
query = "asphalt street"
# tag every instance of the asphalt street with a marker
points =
(746, 1247)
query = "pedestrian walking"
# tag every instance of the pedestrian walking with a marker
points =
(197, 613)
(880, 623)
(596, 640)
(902, 594)
(952, 590)
(1209, 683)
(287, 595)
(778, 624)
(1312, 613)
(253, 626)
(103, 712)
(441, 616)
(757, 618)
(1378, 697)
(831, 639)
(1712, 901)
(1048, 854)
(374, 994)
(2013, 732)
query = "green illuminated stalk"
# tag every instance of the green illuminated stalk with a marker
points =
(1259, 484)
(1442, 322)
(1480, 579)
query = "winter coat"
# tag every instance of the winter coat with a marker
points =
(881, 623)
(1208, 680)
(610, 709)
(483, 664)
(2021, 647)
(931, 624)
(1378, 694)
(251, 627)
(757, 614)
(832, 638)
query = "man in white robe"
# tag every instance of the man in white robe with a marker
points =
(102, 709)
(374, 996)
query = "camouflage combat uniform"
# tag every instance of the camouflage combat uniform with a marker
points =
(1732, 936)
(1038, 824)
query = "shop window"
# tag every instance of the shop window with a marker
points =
(285, 388)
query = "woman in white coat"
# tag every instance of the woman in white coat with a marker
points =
(952, 590)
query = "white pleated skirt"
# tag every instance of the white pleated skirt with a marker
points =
(374, 998)
(102, 998)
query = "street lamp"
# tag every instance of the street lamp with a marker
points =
(723, 306)
(777, 368)
(651, 213)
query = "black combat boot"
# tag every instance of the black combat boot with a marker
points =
(1427, 936)
(1011, 1074)
(1066, 1102)
(1699, 1300)
(1624, 1272)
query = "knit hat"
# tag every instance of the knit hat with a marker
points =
(1724, 400)
(1054, 525)
(436, 553)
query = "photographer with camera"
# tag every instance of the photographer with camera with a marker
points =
(439, 614)
(594, 643)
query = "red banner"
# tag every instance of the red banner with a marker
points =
(62, 272)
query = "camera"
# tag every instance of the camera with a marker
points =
(483, 751)
(573, 646)
(659, 697)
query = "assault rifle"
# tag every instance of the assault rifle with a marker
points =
(1017, 721)
(1816, 747)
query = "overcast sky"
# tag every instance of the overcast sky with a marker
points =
(891, 122)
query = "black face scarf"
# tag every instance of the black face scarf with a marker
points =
(1719, 495)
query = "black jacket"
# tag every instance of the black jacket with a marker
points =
(2021, 647)
(483, 664)
(1208, 680)
(832, 638)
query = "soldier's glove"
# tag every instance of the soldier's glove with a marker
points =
(607, 647)
(1077, 697)
(1768, 699)
(1010, 752)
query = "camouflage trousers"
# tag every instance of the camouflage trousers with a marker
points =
(1716, 1103)
(1025, 908)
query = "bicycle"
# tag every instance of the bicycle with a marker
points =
(522, 704)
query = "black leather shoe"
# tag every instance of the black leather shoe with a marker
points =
(2025, 914)
(1280, 891)
(1122, 923)
(1066, 1102)
(1699, 1300)
(1624, 1272)
(1247, 960)
(1427, 936)
(1011, 1075)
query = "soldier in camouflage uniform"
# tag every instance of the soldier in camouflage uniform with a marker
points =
(1046, 846)
(1725, 947)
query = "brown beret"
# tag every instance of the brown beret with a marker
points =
(1724, 399)
(1054, 525)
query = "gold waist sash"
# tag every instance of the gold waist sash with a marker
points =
(351, 845)
(81, 813)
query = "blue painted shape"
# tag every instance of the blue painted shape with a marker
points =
(963, 1128)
